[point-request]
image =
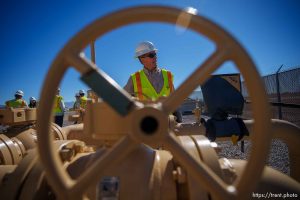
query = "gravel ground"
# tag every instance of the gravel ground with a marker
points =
(278, 156)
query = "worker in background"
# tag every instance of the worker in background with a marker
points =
(76, 104)
(151, 82)
(59, 109)
(77, 109)
(32, 102)
(83, 99)
(18, 102)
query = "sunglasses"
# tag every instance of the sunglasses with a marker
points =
(150, 55)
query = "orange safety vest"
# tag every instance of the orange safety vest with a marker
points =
(144, 89)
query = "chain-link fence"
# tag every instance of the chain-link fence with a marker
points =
(283, 89)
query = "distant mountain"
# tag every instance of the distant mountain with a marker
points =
(197, 94)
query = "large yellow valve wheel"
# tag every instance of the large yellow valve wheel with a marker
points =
(150, 122)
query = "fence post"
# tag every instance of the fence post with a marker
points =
(278, 93)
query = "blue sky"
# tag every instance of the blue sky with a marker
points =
(33, 32)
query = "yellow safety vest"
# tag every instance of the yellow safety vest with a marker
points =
(57, 109)
(83, 101)
(144, 89)
(16, 103)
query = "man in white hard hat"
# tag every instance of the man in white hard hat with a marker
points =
(77, 108)
(59, 109)
(151, 82)
(18, 102)
(82, 99)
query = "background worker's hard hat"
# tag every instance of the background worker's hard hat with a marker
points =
(32, 99)
(143, 48)
(20, 93)
(81, 92)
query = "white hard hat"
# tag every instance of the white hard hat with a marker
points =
(20, 93)
(81, 92)
(143, 48)
(32, 99)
